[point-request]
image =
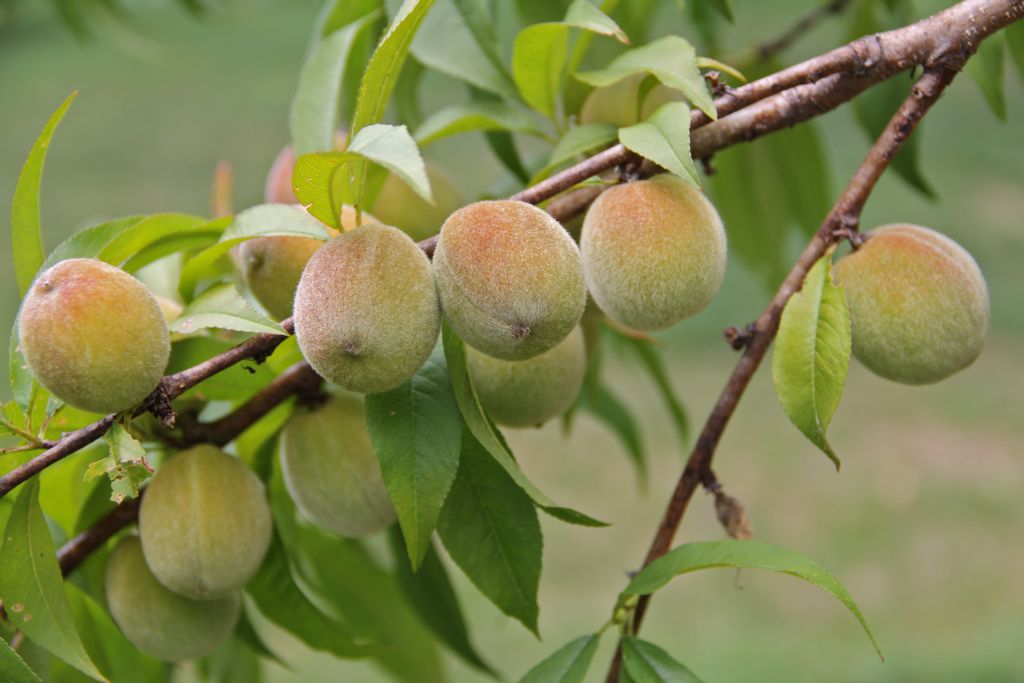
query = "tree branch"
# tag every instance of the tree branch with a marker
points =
(256, 348)
(843, 219)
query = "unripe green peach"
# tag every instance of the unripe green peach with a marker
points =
(653, 252)
(509, 278)
(158, 621)
(93, 335)
(331, 471)
(619, 103)
(399, 206)
(271, 266)
(918, 303)
(528, 393)
(205, 523)
(366, 311)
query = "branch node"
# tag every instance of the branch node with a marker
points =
(732, 516)
(738, 340)
(159, 404)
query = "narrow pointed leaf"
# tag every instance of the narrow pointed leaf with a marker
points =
(31, 585)
(691, 557)
(664, 138)
(812, 355)
(484, 431)
(222, 307)
(597, 400)
(584, 14)
(429, 591)
(648, 663)
(26, 232)
(475, 116)
(538, 59)
(568, 664)
(416, 432)
(393, 148)
(13, 668)
(652, 361)
(986, 68)
(279, 599)
(489, 527)
(672, 60)
(313, 119)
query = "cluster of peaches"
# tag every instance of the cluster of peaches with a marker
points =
(368, 306)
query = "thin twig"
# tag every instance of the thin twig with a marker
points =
(256, 348)
(845, 216)
(295, 380)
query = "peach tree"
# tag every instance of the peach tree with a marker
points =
(338, 363)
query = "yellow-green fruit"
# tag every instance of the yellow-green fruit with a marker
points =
(399, 206)
(331, 471)
(619, 103)
(271, 266)
(205, 523)
(509, 278)
(653, 252)
(159, 622)
(918, 303)
(93, 335)
(366, 311)
(528, 393)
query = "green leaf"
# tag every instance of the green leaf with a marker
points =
(654, 364)
(723, 7)
(20, 375)
(801, 169)
(141, 234)
(264, 220)
(648, 663)
(541, 51)
(986, 68)
(90, 242)
(578, 140)
(484, 431)
(313, 118)
(583, 14)
(385, 65)
(1015, 41)
(664, 138)
(538, 58)
(597, 400)
(490, 528)
(393, 148)
(748, 554)
(750, 195)
(31, 585)
(318, 184)
(350, 583)
(457, 38)
(13, 668)
(475, 116)
(26, 233)
(429, 592)
(222, 307)
(279, 599)
(125, 465)
(672, 60)
(812, 355)
(416, 432)
(568, 664)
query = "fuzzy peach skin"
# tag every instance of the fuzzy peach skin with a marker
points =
(528, 393)
(331, 471)
(204, 523)
(509, 278)
(366, 311)
(653, 251)
(271, 266)
(918, 302)
(159, 622)
(93, 335)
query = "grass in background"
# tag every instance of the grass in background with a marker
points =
(921, 524)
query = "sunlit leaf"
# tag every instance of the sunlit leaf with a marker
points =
(568, 664)
(222, 307)
(475, 116)
(664, 138)
(648, 663)
(812, 355)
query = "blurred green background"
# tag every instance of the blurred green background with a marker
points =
(924, 522)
